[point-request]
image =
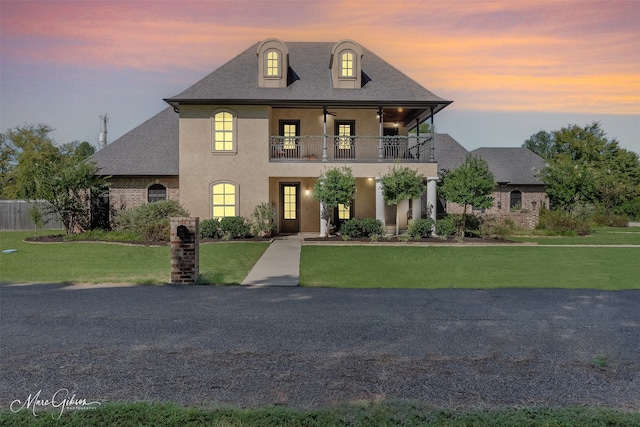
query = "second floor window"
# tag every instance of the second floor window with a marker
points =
(223, 132)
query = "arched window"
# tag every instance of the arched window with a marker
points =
(515, 199)
(346, 64)
(224, 132)
(273, 63)
(156, 193)
(224, 197)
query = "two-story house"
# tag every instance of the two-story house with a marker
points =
(265, 125)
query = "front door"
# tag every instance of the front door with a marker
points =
(290, 208)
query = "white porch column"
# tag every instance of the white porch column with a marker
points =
(432, 197)
(379, 202)
(416, 208)
(323, 223)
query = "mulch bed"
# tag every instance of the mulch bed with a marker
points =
(396, 240)
(59, 238)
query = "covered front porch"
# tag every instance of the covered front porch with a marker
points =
(297, 211)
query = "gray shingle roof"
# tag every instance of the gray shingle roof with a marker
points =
(448, 152)
(513, 165)
(238, 80)
(149, 149)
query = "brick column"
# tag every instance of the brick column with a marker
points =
(185, 250)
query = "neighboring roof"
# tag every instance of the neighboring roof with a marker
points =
(237, 81)
(149, 149)
(517, 166)
(448, 152)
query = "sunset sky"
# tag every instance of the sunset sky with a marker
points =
(512, 68)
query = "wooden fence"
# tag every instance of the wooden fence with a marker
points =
(14, 215)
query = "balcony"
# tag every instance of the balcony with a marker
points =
(358, 148)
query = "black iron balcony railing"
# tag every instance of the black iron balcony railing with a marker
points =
(332, 148)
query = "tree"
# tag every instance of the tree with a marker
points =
(62, 176)
(332, 188)
(67, 189)
(568, 183)
(8, 154)
(33, 148)
(471, 183)
(586, 167)
(401, 183)
(541, 143)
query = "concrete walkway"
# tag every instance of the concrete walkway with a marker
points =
(279, 265)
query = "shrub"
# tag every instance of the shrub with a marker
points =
(365, 227)
(561, 223)
(446, 227)
(145, 219)
(262, 223)
(497, 228)
(210, 228)
(611, 220)
(235, 227)
(156, 230)
(420, 227)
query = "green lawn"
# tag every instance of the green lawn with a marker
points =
(601, 236)
(366, 414)
(87, 262)
(430, 267)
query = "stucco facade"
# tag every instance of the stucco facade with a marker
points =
(257, 177)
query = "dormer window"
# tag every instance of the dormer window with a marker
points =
(273, 62)
(346, 65)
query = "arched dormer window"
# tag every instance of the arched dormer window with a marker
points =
(346, 65)
(273, 62)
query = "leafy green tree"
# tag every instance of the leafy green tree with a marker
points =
(568, 183)
(334, 187)
(401, 183)
(34, 150)
(8, 154)
(542, 144)
(471, 183)
(38, 169)
(67, 189)
(586, 167)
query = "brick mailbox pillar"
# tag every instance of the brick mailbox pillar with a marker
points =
(185, 250)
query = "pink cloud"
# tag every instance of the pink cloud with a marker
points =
(528, 55)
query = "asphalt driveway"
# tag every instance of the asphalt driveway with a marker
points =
(203, 345)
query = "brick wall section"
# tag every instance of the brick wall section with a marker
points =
(131, 192)
(185, 252)
(533, 198)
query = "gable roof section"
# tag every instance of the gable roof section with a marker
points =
(149, 149)
(517, 166)
(237, 82)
